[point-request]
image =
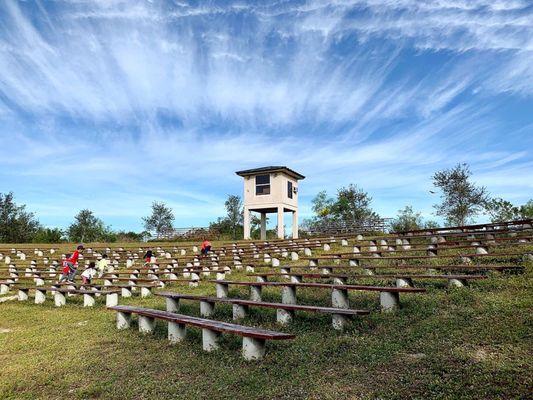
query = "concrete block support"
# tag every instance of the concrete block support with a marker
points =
(88, 300)
(239, 311)
(126, 292)
(404, 282)
(296, 278)
(389, 301)
(111, 299)
(40, 296)
(222, 290)
(146, 324)
(339, 321)
(288, 295)
(339, 298)
(173, 305)
(284, 317)
(253, 348)
(176, 332)
(210, 339)
(23, 294)
(123, 320)
(146, 292)
(456, 282)
(4, 288)
(207, 308)
(255, 293)
(60, 299)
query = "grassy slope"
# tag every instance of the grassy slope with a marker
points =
(470, 343)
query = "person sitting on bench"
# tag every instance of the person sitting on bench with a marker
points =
(102, 265)
(206, 247)
(148, 256)
(89, 273)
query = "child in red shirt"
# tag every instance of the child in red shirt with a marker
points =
(206, 247)
(70, 265)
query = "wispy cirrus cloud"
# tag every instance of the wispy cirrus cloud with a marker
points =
(110, 104)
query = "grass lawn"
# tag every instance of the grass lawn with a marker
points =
(471, 342)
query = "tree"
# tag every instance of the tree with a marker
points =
(16, 224)
(88, 228)
(48, 235)
(235, 213)
(161, 219)
(501, 210)
(353, 206)
(526, 211)
(322, 205)
(407, 220)
(461, 198)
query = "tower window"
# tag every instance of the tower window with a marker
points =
(262, 185)
(289, 189)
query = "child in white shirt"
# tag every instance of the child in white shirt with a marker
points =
(89, 273)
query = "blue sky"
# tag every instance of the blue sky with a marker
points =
(110, 105)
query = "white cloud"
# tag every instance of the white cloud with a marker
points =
(113, 104)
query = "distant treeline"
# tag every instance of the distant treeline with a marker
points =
(461, 201)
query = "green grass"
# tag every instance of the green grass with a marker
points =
(448, 343)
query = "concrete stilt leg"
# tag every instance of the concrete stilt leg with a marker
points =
(294, 256)
(23, 294)
(111, 299)
(220, 276)
(173, 305)
(339, 298)
(255, 293)
(261, 279)
(284, 317)
(88, 300)
(390, 301)
(339, 321)
(40, 296)
(288, 295)
(210, 339)
(368, 271)
(146, 292)
(222, 290)
(176, 332)
(207, 308)
(39, 282)
(252, 348)
(327, 270)
(126, 292)
(123, 320)
(60, 299)
(353, 262)
(456, 282)
(275, 262)
(239, 311)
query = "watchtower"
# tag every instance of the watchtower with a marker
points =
(271, 190)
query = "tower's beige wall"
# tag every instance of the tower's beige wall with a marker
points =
(278, 192)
